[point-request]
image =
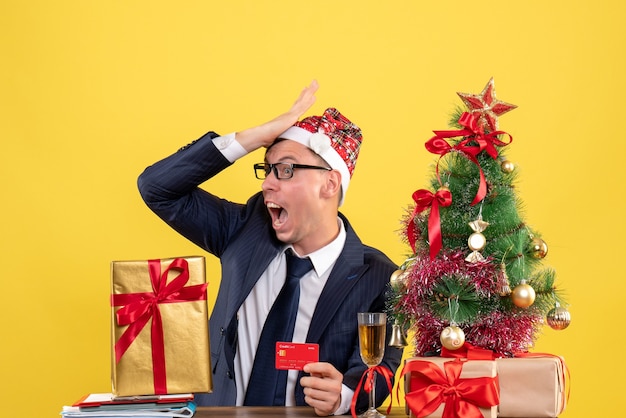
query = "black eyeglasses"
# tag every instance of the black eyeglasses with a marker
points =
(282, 171)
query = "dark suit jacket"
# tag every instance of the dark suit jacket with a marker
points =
(242, 237)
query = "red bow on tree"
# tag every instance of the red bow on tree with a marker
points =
(476, 141)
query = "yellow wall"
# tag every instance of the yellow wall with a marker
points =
(93, 91)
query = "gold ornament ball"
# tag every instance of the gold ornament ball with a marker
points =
(538, 248)
(558, 318)
(523, 295)
(398, 280)
(452, 337)
(507, 166)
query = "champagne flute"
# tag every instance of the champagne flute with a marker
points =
(372, 327)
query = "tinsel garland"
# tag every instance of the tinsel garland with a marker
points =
(501, 332)
(505, 331)
(424, 274)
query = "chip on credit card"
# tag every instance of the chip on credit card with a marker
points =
(293, 356)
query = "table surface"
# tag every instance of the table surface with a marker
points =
(269, 411)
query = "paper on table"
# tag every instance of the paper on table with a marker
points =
(134, 411)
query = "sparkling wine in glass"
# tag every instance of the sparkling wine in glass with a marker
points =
(372, 327)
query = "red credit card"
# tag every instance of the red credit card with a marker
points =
(293, 356)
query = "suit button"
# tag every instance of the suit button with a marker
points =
(222, 331)
(188, 145)
(229, 374)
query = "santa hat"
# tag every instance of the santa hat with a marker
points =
(334, 138)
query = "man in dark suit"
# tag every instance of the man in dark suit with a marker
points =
(307, 169)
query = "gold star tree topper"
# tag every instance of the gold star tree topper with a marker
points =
(486, 107)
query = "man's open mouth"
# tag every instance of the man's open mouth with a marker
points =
(278, 214)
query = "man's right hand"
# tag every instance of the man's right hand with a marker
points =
(265, 134)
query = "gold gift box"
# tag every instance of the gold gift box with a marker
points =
(184, 324)
(471, 369)
(531, 387)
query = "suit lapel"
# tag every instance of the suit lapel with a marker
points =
(261, 254)
(348, 270)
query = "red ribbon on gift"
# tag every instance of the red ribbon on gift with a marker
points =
(431, 386)
(470, 352)
(425, 199)
(138, 308)
(367, 382)
(476, 141)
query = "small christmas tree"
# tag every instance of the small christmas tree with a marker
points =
(474, 274)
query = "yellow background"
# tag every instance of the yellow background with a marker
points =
(91, 92)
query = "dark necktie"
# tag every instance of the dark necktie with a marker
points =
(267, 385)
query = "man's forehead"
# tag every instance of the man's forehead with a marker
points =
(291, 148)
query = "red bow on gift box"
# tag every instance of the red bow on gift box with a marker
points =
(138, 308)
(431, 386)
